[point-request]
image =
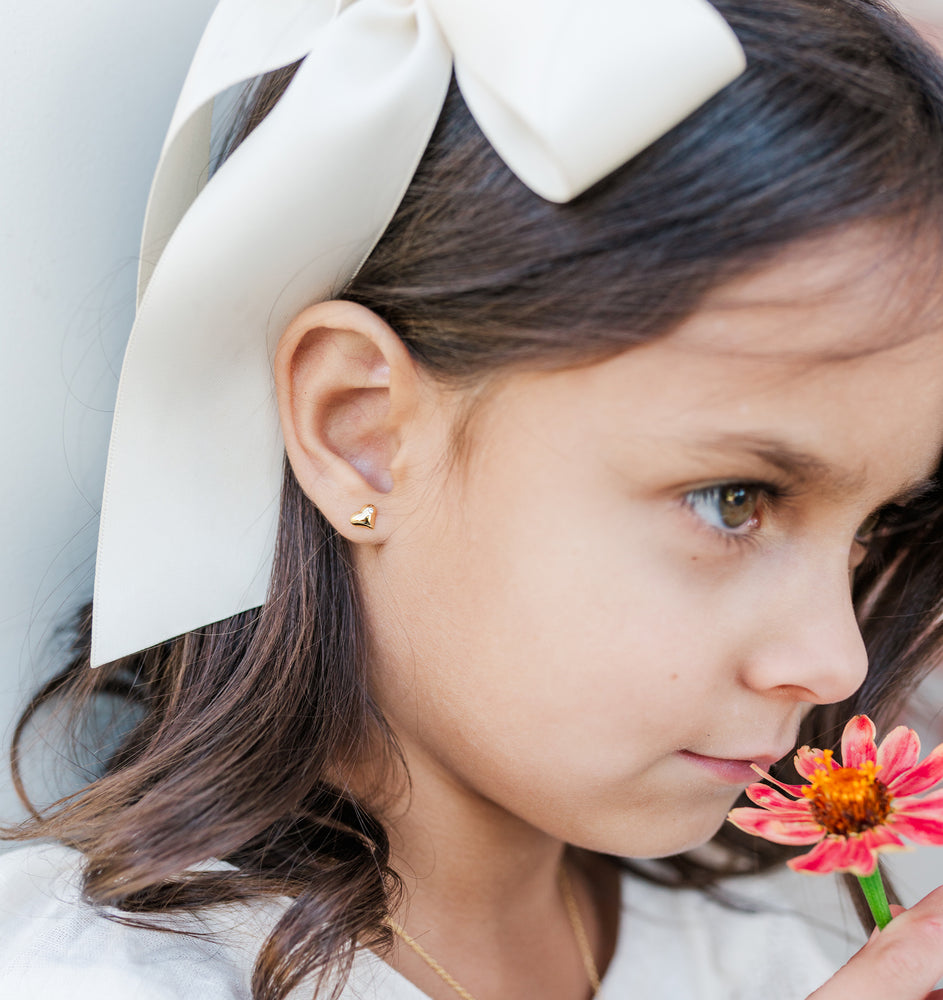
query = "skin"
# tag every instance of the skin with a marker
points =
(567, 638)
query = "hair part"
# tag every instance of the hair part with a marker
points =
(248, 726)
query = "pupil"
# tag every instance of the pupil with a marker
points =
(867, 527)
(737, 505)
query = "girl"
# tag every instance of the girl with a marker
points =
(599, 486)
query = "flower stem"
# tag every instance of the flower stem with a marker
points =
(873, 888)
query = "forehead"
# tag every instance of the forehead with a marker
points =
(867, 289)
(833, 351)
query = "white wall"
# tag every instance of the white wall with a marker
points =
(930, 10)
(86, 90)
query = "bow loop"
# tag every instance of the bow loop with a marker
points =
(243, 40)
(567, 92)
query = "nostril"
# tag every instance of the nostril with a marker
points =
(845, 673)
(819, 657)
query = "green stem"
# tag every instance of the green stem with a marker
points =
(873, 888)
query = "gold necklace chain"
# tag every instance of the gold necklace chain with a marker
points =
(576, 922)
(579, 931)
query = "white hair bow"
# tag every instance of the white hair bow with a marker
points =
(565, 90)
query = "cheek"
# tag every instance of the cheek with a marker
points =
(582, 605)
(554, 637)
(552, 656)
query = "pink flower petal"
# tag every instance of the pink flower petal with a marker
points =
(837, 854)
(805, 761)
(799, 830)
(920, 778)
(920, 829)
(899, 752)
(825, 857)
(771, 799)
(882, 838)
(794, 790)
(928, 805)
(859, 859)
(857, 742)
(820, 860)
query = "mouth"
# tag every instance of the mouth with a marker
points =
(734, 771)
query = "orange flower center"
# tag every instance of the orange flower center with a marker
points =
(847, 800)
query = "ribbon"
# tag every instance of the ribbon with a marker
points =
(565, 91)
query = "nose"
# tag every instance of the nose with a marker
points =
(808, 642)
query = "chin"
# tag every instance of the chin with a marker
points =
(659, 837)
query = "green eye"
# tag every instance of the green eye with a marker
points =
(729, 507)
(737, 505)
(867, 528)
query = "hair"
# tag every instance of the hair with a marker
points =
(243, 730)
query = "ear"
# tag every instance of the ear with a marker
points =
(347, 390)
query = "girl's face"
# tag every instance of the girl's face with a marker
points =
(639, 577)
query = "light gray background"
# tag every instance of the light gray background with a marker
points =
(86, 90)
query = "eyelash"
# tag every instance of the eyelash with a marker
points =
(887, 520)
(768, 497)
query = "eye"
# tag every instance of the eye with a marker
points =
(729, 507)
(867, 528)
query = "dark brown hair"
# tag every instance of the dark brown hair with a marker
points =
(243, 730)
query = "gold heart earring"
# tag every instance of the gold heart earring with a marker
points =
(365, 516)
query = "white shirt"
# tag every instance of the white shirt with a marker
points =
(672, 945)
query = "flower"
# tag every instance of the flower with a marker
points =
(854, 809)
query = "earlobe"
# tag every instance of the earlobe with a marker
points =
(346, 388)
(365, 517)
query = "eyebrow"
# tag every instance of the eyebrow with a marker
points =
(806, 469)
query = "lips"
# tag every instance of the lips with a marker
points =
(733, 769)
(765, 758)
